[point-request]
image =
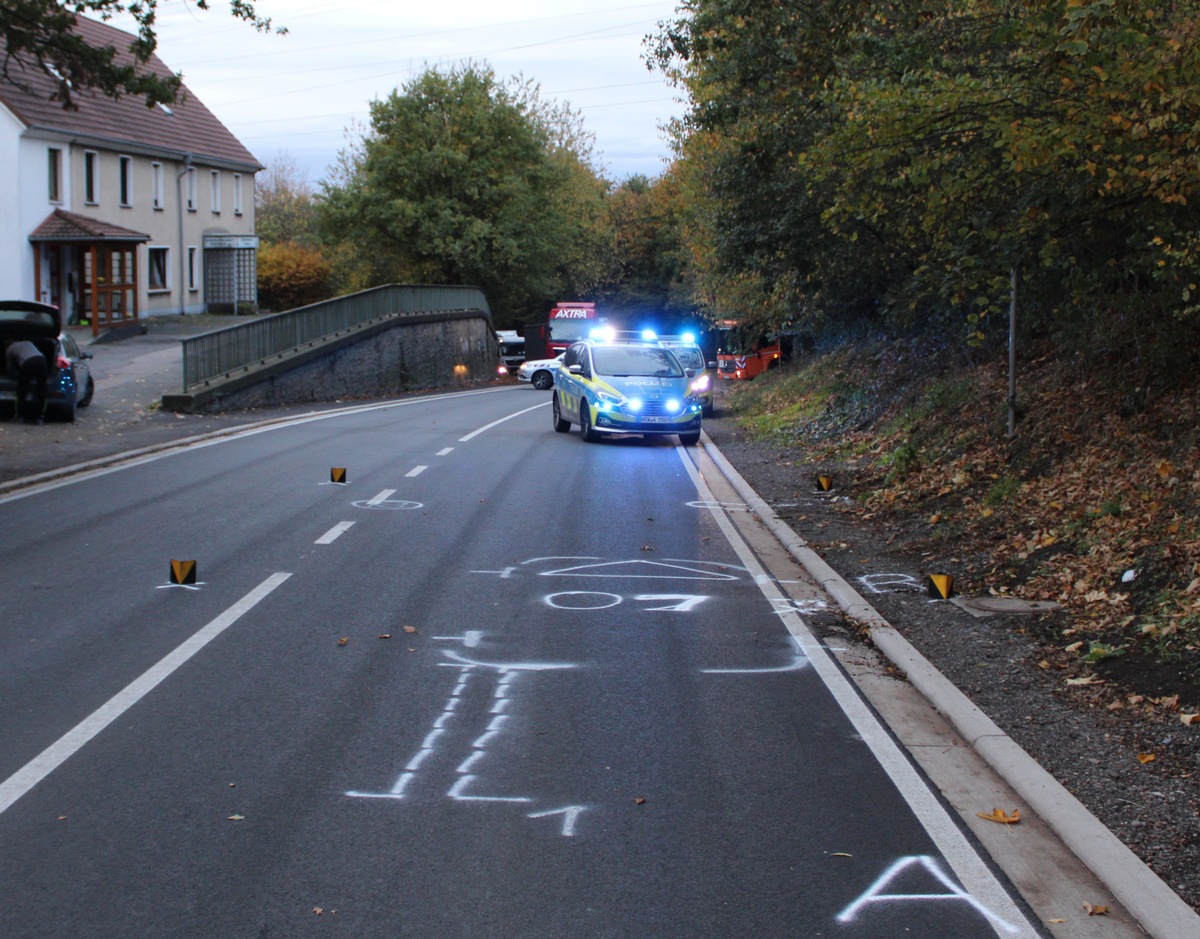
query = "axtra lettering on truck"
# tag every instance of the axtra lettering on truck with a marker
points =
(569, 322)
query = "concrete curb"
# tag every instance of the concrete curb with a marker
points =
(1157, 907)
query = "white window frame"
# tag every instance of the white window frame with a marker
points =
(163, 251)
(54, 175)
(215, 196)
(190, 188)
(193, 258)
(125, 181)
(237, 193)
(91, 177)
(156, 185)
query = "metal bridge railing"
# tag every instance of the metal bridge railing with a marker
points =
(224, 350)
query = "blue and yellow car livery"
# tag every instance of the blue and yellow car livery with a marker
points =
(617, 385)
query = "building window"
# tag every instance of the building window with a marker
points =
(160, 268)
(193, 258)
(126, 180)
(216, 192)
(191, 189)
(156, 185)
(237, 193)
(91, 177)
(54, 173)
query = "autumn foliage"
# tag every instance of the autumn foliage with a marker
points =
(291, 275)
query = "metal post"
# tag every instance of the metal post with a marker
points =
(1012, 353)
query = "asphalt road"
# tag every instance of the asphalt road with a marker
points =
(496, 683)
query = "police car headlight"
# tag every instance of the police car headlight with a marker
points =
(607, 402)
(700, 384)
(634, 404)
(672, 405)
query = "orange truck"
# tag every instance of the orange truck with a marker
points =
(766, 353)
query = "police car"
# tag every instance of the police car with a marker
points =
(624, 383)
(691, 356)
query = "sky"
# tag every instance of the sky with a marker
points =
(297, 97)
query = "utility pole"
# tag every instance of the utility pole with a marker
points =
(1012, 352)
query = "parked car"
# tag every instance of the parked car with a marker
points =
(539, 372)
(691, 356)
(69, 384)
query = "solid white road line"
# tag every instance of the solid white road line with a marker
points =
(971, 869)
(476, 433)
(334, 533)
(73, 740)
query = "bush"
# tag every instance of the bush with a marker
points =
(291, 275)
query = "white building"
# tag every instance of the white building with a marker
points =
(113, 211)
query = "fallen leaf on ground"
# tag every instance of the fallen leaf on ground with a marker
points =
(410, 629)
(1073, 647)
(639, 801)
(1056, 921)
(1145, 757)
(998, 815)
(1095, 910)
(343, 640)
(841, 854)
(1086, 680)
(1189, 719)
(385, 636)
(236, 818)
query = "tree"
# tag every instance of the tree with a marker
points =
(904, 158)
(43, 31)
(283, 203)
(464, 180)
(650, 278)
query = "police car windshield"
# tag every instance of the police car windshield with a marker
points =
(630, 361)
(689, 357)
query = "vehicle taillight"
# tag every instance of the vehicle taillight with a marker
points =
(62, 363)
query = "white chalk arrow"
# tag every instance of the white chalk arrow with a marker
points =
(569, 813)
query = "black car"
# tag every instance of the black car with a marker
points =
(69, 383)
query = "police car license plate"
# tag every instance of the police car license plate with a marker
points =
(657, 420)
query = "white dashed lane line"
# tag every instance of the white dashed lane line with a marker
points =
(334, 533)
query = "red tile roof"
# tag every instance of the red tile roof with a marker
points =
(61, 225)
(186, 127)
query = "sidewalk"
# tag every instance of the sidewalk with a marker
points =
(131, 375)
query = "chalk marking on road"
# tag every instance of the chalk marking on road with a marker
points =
(334, 533)
(459, 660)
(798, 662)
(445, 451)
(415, 471)
(805, 606)
(570, 813)
(476, 433)
(891, 583)
(435, 742)
(608, 600)
(678, 570)
(687, 602)
(504, 574)
(458, 794)
(391, 505)
(73, 740)
(964, 860)
(470, 638)
(873, 893)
